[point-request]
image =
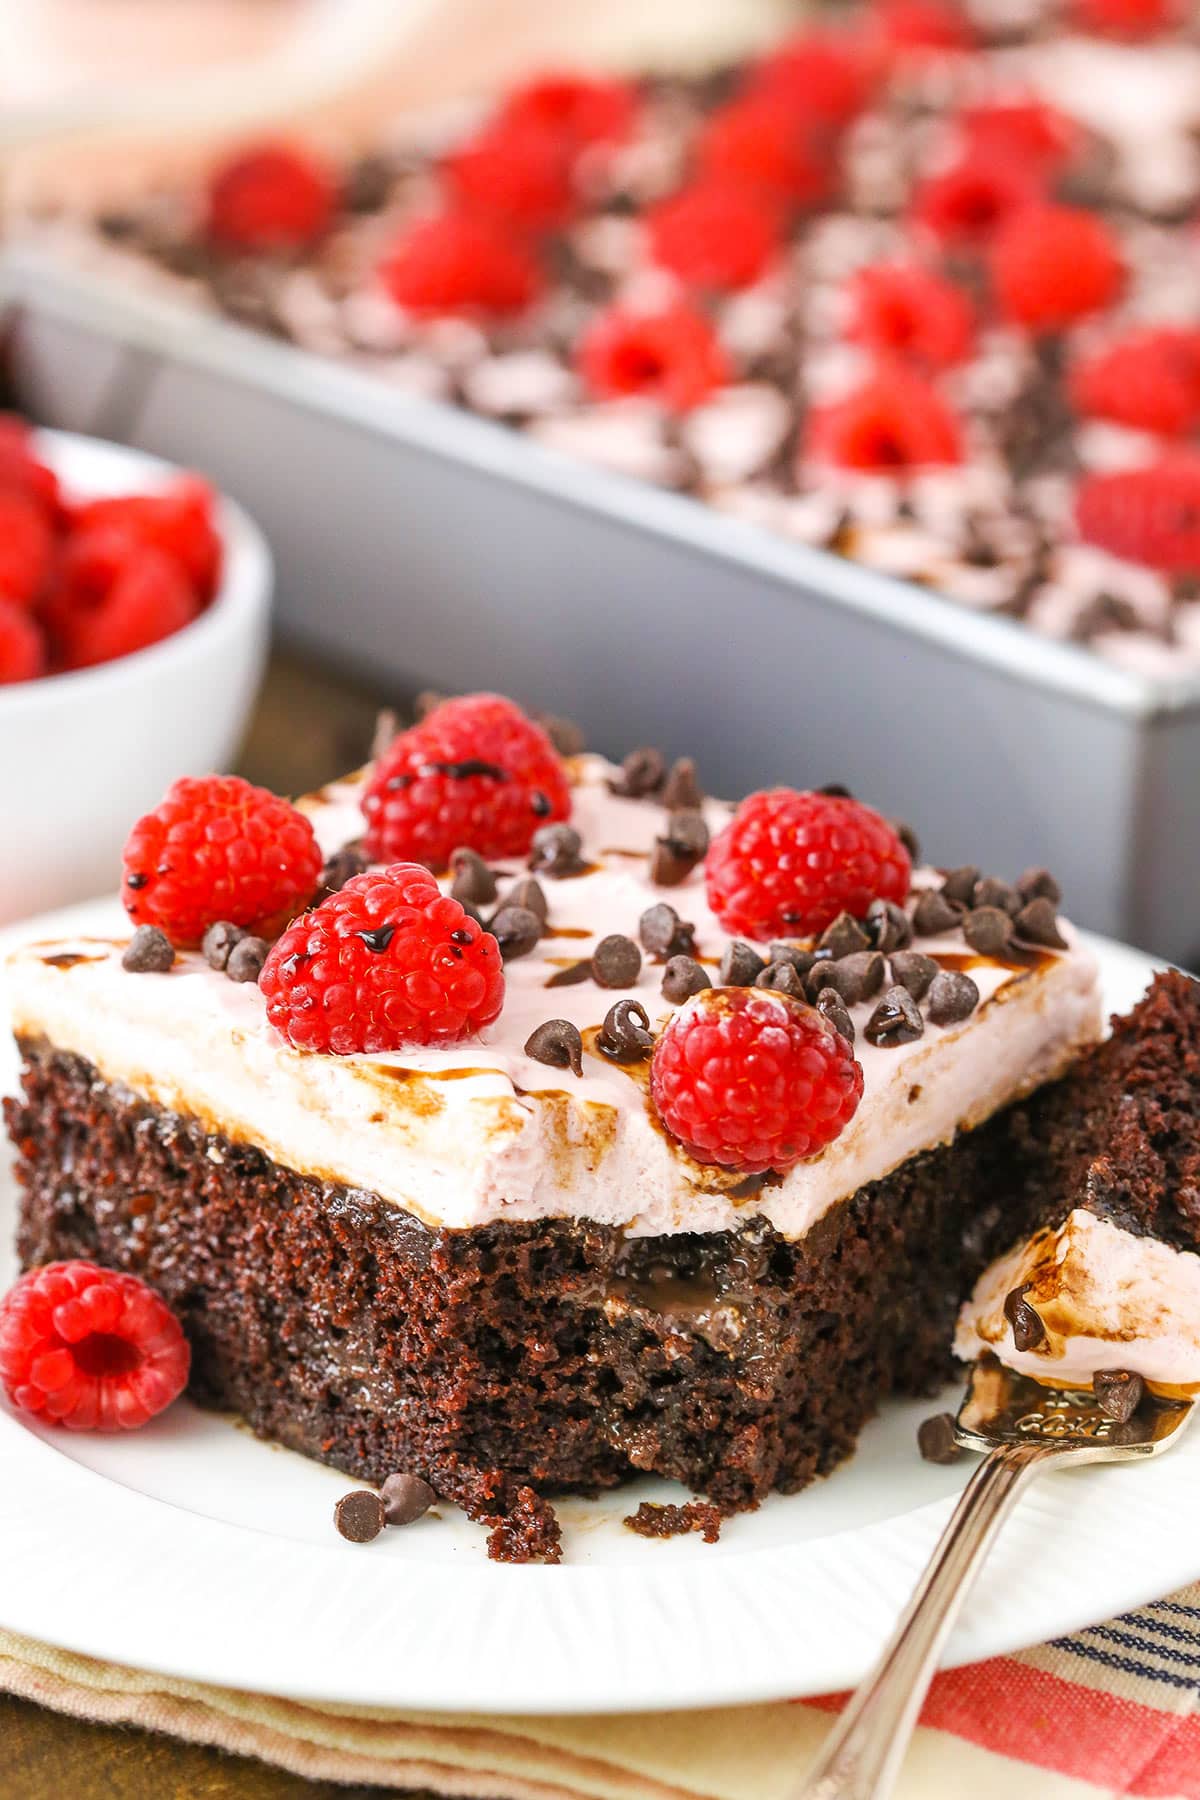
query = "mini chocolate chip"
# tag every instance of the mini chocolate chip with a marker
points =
(1037, 923)
(782, 977)
(896, 1020)
(516, 929)
(405, 1498)
(664, 933)
(844, 936)
(378, 939)
(558, 1043)
(246, 959)
(830, 1005)
(953, 997)
(683, 977)
(835, 790)
(625, 1034)
(888, 926)
(988, 930)
(991, 891)
(936, 1440)
(741, 965)
(530, 895)
(342, 867)
(556, 850)
(679, 849)
(781, 951)
(959, 884)
(219, 940)
(934, 914)
(148, 952)
(359, 1515)
(387, 730)
(1039, 884)
(566, 736)
(642, 773)
(681, 789)
(1027, 1327)
(908, 838)
(856, 977)
(473, 883)
(1118, 1393)
(913, 971)
(616, 961)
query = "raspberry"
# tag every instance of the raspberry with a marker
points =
(763, 141)
(752, 1079)
(1024, 131)
(1149, 379)
(912, 29)
(270, 197)
(674, 356)
(20, 468)
(822, 76)
(788, 863)
(457, 262)
(714, 234)
(894, 422)
(967, 203)
(474, 772)
(1149, 515)
(149, 600)
(22, 648)
(179, 522)
(911, 312)
(1128, 18)
(89, 1349)
(1052, 265)
(517, 172)
(26, 548)
(217, 848)
(388, 961)
(580, 111)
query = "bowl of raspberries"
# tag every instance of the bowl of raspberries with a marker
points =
(134, 609)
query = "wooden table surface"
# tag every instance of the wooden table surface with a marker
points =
(308, 727)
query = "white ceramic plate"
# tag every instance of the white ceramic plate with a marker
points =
(193, 1549)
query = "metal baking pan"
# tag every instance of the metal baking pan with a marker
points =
(429, 547)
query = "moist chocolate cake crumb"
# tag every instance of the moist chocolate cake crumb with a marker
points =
(528, 1532)
(652, 1520)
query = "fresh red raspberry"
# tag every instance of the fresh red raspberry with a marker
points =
(458, 262)
(22, 469)
(908, 311)
(217, 848)
(789, 862)
(474, 772)
(674, 356)
(714, 234)
(966, 204)
(1053, 265)
(270, 197)
(89, 1349)
(22, 646)
(389, 961)
(824, 76)
(764, 141)
(753, 1080)
(1023, 131)
(1128, 18)
(516, 172)
(26, 548)
(893, 423)
(150, 599)
(1149, 380)
(581, 111)
(180, 521)
(1149, 515)
(916, 29)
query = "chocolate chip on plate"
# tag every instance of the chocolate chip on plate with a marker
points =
(148, 952)
(558, 1044)
(936, 1440)
(682, 790)
(664, 933)
(342, 867)
(831, 1006)
(219, 941)
(359, 1515)
(952, 997)
(896, 1020)
(556, 850)
(781, 978)
(531, 895)
(1039, 884)
(683, 977)
(934, 914)
(844, 936)
(405, 1498)
(625, 1034)
(246, 959)
(1118, 1393)
(642, 773)
(1027, 1327)
(888, 926)
(616, 961)
(913, 971)
(988, 930)
(1037, 923)
(741, 965)
(959, 884)
(473, 884)
(516, 929)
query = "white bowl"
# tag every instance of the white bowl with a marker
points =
(85, 754)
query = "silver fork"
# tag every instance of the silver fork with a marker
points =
(1025, 1427)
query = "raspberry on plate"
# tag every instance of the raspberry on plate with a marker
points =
(476, 772)
(673, 356)
(904, 310)
(149, 599)
(1148, 379)
(751, 1079)
(895, 422)
(518, 172)
(581, 110)
(89, 1348)
(714, 234)
(458, 262)
(22, 646)
(218, 848)
(270, 197)
(1147, 515)
(26, 548)
(1052, 265)
(789, 862)
(388, 961)
(762, 140)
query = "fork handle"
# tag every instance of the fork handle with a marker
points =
(861, 1758)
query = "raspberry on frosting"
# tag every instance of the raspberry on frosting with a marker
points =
(673, 356)
(217, 848)
(1026, 131)
(520, 172)
(965, 205)
(790, 861)
(892, 424)
(580, 110)
(714, 234)
(1052, 265)
(1148, 379)
(911, 29)
(751, 1079)
(1128, 18)
(905, 310)
(1146, 515)
(823, 76)
(460, 262)
(475, 773)
(764, 141)
(270, 197)
(387, 962)
(89, 1348)
(22, 648)
(26, 548)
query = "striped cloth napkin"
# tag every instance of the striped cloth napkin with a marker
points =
(1110, 1711)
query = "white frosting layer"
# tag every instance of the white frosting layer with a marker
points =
(1108, 1300)
(482, 1132)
